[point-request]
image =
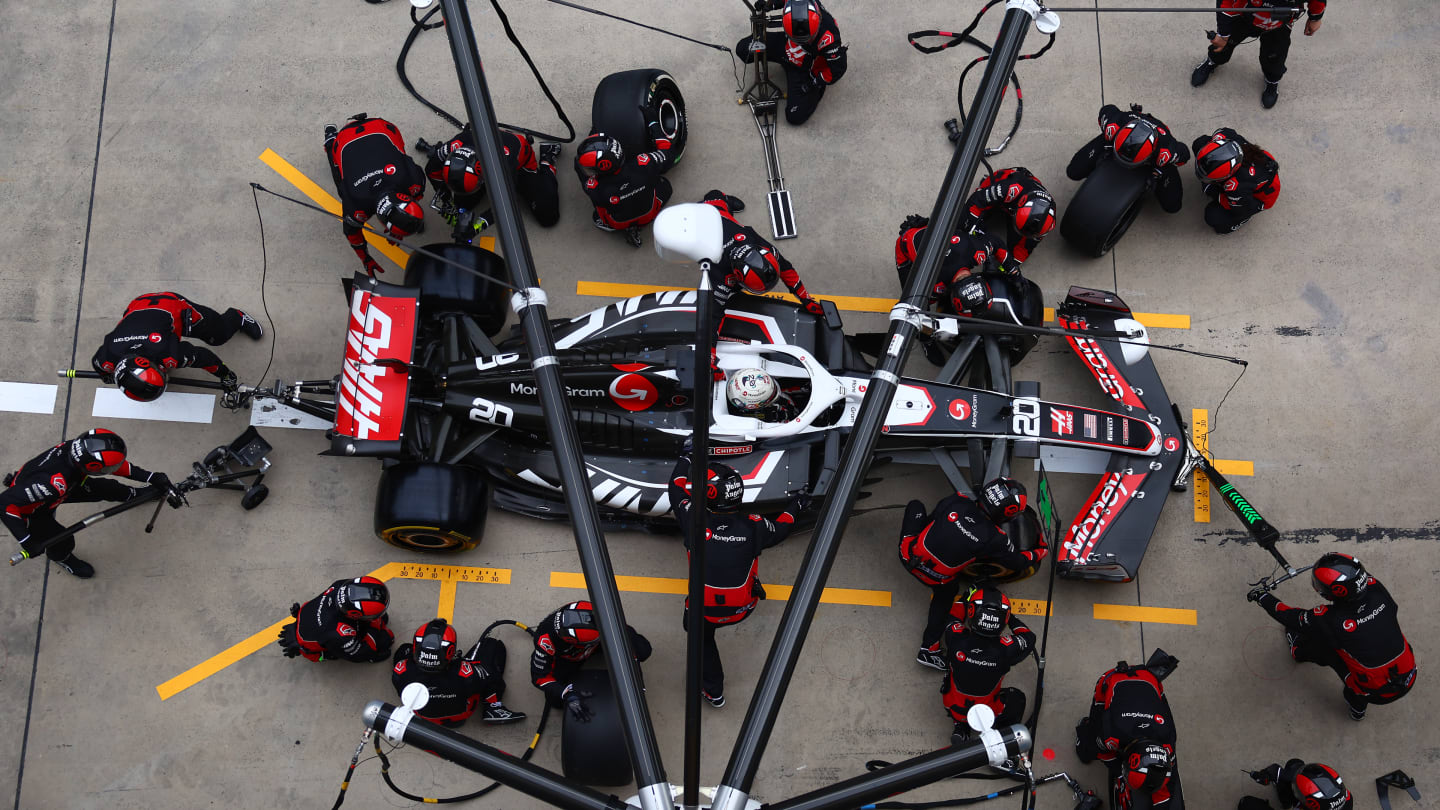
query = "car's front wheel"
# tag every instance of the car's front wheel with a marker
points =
(423, 506)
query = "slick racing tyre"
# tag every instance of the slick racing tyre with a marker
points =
(1103, 207)
(423, 506)
(595, 753)
(626, 102)
(445, 288)
(1025, 532)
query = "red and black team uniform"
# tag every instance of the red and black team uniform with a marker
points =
(1004, 192)
(1359, 638)
(152, 328)
(1130, 707)
(1252, 189)
(1301, 784)
(560, 651)
(978, 664)
(372, 172)
(324, 633)
(459, 688)
(56, 476)
(1165, 155)
(535, 179)
(733, 542)
(971, 250)
(812, 54)
(1272, 28)
(634, 195)
(958, 540)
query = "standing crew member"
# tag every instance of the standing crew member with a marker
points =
(147, 344)
(979, 652)
(813, 55)
(1028, 208)
(1273, 30)
(733, 543)
(564, 641)
(374, 178)
(456, 685)
(347, 622)
(458, 178)
(1137, 138)
(963, 538)
(627, 194)
(67, 472)
(1132, 730)
(1308, 785)
(1239, 177)
(1357, 634)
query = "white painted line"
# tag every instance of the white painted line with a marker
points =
(170, 407)
(27, 397)
(270, 413)
(1060, 459)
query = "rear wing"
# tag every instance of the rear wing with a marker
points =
(370, 404)
(1109, 536)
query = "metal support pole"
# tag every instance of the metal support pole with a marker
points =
(855, 461)
(401, 724)
(530, 305)
(699, 506)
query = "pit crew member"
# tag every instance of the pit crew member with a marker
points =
(374, 178)
(456, 684)
(979, 650)
(809, 48)
(1131, 729)
(347, 622)
(455, 172)
(147, 344)
(1239, 177)
(564, 641)
(971, 251)
(1299, 783)
(1136, 138)
(627, 192)
(1028, 210)
(1272, 28)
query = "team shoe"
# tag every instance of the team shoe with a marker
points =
(549, 153)
(595, 218)
(497, 714)
(85, 570)
(1201, 73)
(250, 326)
(931, 658)
(1356, 714)
(715, 700)
(330, 131)
(1270, 95)
(735, 204)
(960, 735)
(632, 236)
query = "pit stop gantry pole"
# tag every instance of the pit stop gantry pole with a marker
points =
(905, 321)
(530, 304)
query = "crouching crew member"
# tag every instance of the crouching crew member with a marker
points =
(458, 178)
(1240, 178)
(1131, 729)
(810, 50)
(627, 193)
(347, 622)
(564, 641)
(147, 344)
(69, 471)
(1137, 139)
(374, 178)
(1027, 208)
(457, 685)
(963, 538)
(1302, 784)
(971, 251)
(1357, 635)
(980, 649)
(733, 542)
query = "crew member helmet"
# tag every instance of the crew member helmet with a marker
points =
(462, 171)
(1218, 159)
(1319, 787)
(139, 378)
(400, 215)
(753, 268)
(801, 19)
(1135, 142)
(1035, 214)
(987, 611)
(969, 294)
(98, 452)
(724, 491)
(1146, 765)
(436, 645)
(363, 599)
(1002, 498)
(1339, 577)
(599, 154)
(575, 625)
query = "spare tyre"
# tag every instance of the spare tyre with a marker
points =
(424, 506)
(626, 102)
(1104, 206)
(445, 288)
(595, 753)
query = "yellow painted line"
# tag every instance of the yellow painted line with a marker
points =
(1200, 435)
(446, 609)
(679, 587)
(849, 303)
(325, 200)
(1229, 466)
(1029, 607)
(1154, 615)
(449, 576)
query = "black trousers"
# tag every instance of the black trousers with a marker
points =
(539, 189)
(942, 598)
(1225, 220)
(43, 525)
(1168, 189)
(1274, 47)
(712, 669)
(1308, 649)
(802, 91)
(214, 328)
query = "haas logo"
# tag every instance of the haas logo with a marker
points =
(58, 482)
(643, 159)
(633, 392)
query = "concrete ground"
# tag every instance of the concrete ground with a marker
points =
(133, 129)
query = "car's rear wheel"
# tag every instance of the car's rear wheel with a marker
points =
(424, 506)
(626, 102)
(1104, 207)
(445, 288)
(595, 753)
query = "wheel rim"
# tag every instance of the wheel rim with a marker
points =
(669, 116)
(424, 540)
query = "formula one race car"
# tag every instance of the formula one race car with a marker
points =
(457, 423)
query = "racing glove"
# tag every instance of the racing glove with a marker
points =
(575, 704)
(228, 378)
(914, 221)
(813, 306)
(1268, 775)
(371, 266)
(1254, 596)
(662, 142)
(159, 479)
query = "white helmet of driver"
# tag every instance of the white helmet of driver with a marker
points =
(751, 389)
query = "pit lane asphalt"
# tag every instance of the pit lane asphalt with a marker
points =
(133, 128)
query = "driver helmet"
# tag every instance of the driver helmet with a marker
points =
(1146, 765)
(1135, 142)
(1218, 159)
(98, 452)
(462, 171)
(753, 267)
(575, 625)
(363, 599)
(970, 294)
(1035, 214)
(987, 611)
(140, 379)
(400, 214)
(1002, 498)
(801, 19)
(751, 390)
(724, 489)
(1339, 577)
(1319, 787)
(436, 645)
(599, 154)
